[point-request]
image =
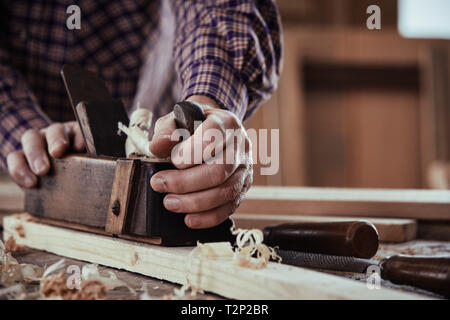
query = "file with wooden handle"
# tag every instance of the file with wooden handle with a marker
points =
(428, 273)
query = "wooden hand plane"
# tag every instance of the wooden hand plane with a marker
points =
(105, 192)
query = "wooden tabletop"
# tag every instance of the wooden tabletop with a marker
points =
(161, 289)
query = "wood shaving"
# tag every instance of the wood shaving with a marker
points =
(55, 286)
(249, 243)
(90, 272)
(138, 132)
(12, 246)
(145, 294)
(52, 286)
(11, 271)
(250, 252)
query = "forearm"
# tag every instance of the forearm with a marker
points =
(228, 51)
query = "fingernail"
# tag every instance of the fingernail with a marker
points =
(26, 179)
(57, 145)
(193, 222)
(172, 204)
(158, 184)
(40, 164)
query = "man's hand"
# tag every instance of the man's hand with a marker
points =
(25, 165)
(211, 191)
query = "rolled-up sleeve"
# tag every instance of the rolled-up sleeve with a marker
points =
(19, 111)
(230, 51)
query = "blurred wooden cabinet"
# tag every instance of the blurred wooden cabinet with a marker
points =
(355, 109)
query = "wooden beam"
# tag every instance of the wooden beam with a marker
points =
(389, 230)
(223, 277)
(388, 203)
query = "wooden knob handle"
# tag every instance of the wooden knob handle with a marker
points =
(188, 115)
(428, 273)
(350, 238)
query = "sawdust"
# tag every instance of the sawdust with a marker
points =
(13, 275)
(12, 246)
(55, 286)
(11, 271)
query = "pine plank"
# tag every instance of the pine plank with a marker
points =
(222, 277)
(387, 203)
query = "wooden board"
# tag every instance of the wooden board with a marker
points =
(223, 277)
(388, 203)
(389, 230)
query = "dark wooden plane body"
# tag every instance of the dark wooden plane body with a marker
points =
(78, 191)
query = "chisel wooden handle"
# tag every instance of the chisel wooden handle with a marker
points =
(187, 114)
(428, 273)
(350, 238)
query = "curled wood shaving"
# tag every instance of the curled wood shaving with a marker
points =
(11, 271)
(137, 132)
(12, 246)
(55, 286)
(249, 243)
(250, 252)
(93, 286)
(51, 285)
(90, 272)
(54, 267)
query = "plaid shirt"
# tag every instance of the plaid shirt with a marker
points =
(151, 52)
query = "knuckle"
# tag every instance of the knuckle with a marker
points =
(14, 171)
(217, 174)
(233, 121)
(54, 126)
(218, 122)
(29, 134)
(231, 192)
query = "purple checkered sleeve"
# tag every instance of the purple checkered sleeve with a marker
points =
(228, 50)
(19, 111)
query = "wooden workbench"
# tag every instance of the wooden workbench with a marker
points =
(161, 289)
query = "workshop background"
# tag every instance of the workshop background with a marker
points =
(358, 107)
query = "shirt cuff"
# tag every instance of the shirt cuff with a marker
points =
(217, 80)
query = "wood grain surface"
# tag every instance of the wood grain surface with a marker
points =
(276, 281)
